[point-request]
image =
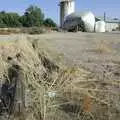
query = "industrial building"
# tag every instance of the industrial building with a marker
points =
(112, 25)
(83, 21)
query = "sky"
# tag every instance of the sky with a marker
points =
(51, 9)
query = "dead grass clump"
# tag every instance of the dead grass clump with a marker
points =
(56, 92)
(102, 47)
(33, 30)
(8, 31)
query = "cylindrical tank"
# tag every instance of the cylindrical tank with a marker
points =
(88, 19)
(66, 8)
(100, 26)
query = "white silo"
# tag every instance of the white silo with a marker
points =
(88, 19)
(66, 8)
(100, 26)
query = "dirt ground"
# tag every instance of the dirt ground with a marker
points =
(97, 52)
(91, 50)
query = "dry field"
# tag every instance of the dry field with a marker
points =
(73, 76)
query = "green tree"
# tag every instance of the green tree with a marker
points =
(10, 19)
(2, 14)
(23, 21)
(49, 22)
(33, 16)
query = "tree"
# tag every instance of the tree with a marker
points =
(33, 16)
(12, 20)
(23, 21)
(49, 22)
(9, 19)
(2, 24)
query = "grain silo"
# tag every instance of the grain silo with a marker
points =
(88, 19)
(66, 8)
(100, 26)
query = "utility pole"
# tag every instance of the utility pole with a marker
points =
(104, 16)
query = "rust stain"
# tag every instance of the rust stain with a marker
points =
(87, 104)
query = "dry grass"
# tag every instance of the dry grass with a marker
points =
(8, 31)
(28, 30)
(102, 47)
(57, 92)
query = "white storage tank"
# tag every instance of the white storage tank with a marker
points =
(89, 21)
(100, 26)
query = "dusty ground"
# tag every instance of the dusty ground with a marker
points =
(98, 52)
(91, 50)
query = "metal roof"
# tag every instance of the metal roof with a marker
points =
(112, 21)
(108, 20)
(78, 14)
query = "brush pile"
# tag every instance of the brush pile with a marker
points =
(54, 91)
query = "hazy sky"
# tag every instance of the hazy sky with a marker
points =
(51, 9)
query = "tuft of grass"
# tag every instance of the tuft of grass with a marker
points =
(102, 47)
